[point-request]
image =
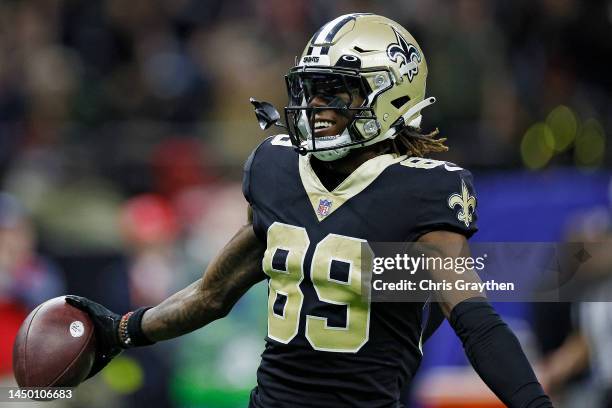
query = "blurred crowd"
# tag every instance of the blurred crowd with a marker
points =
(80, 81)
(124, 126)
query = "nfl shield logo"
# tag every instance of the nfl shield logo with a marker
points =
(324, 207)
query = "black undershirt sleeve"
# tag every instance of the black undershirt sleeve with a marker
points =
(496, 355)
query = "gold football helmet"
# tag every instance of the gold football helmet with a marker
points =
(367, 57)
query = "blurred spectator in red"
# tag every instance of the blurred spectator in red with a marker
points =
(179, 164)
(150, 228)
(153, 269)
(26, 278)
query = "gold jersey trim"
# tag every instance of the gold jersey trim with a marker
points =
(325, 202)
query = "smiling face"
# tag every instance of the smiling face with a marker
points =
(328, 123)
(323, 110)
(319, 90)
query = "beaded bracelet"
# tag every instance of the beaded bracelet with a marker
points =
(130, 329)
(124, 335)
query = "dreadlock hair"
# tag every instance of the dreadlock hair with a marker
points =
(412, 141)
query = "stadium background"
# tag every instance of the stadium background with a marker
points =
(124, 126)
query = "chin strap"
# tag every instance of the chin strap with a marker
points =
(331, 154)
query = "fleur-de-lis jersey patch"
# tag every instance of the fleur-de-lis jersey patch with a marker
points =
(466, 204)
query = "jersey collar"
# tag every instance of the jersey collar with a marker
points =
(325, 202)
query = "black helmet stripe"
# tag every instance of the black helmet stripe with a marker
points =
(312, 41)
(332, 33)
(327, 33)
(314, 37)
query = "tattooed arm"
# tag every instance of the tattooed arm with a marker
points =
(227, 278)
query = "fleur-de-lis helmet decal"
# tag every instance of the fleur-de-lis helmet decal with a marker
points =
(466, 203)
(408, 53)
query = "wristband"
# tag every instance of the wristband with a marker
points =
(130, 329)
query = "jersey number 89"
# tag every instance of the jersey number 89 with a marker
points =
(289, 244)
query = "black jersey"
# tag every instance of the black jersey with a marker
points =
(326, 345)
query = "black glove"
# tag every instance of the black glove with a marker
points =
(106, 330)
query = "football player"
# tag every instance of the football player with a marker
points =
(360, 175)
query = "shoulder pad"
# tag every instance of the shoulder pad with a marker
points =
(446, 195)
(265, 153)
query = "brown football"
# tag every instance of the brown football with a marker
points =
(55, 346)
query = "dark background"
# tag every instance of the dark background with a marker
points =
(124, 126)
